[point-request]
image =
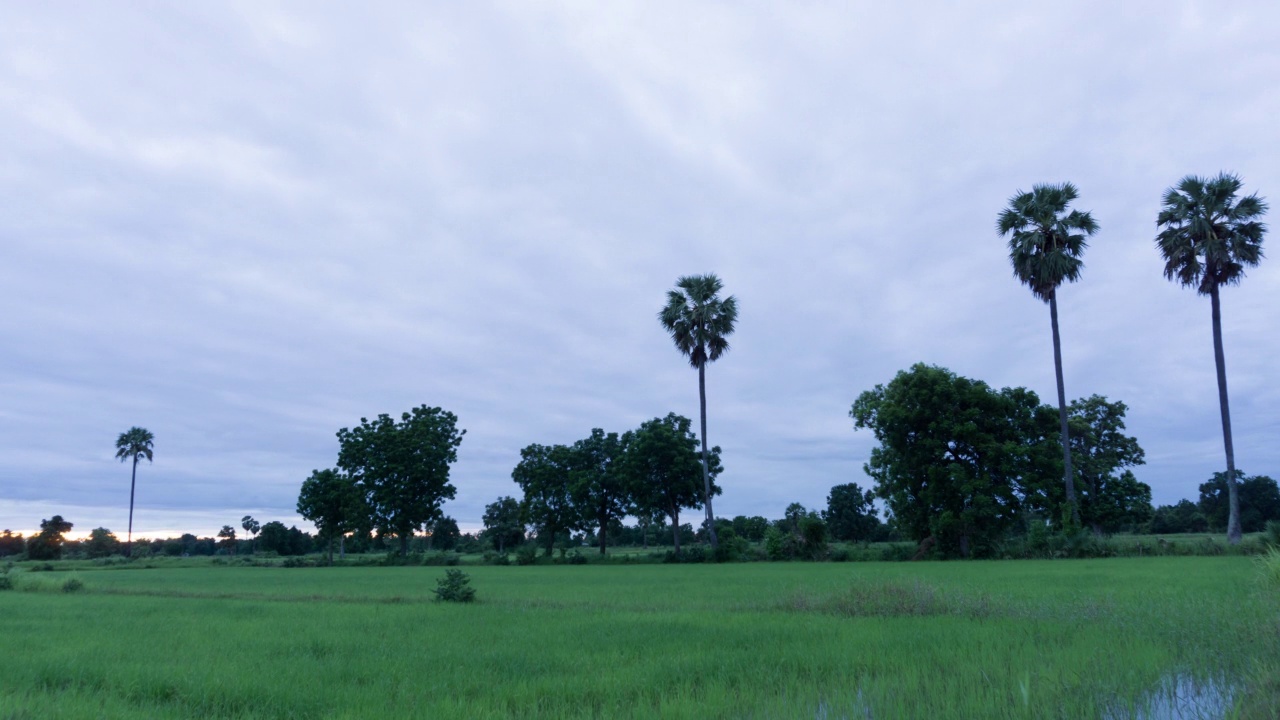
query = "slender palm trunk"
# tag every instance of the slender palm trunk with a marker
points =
(1233, 495)
(706, 475)
(1068, 475)
(133, 484)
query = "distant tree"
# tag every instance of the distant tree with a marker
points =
(101, 543)
(502, 524)
(133, 444)
(227, 538)
(545, 474)
(335, 504)
(750, 528)
(599, 486)
(11, 544)
(48, 543)
(700, 323)
(1111, 498)
(251, 526)
(1184, 517)
(851, 514)
(666, 473)
(1045, 244)
(1208, 238)
(955, 457)
(275, 538)
(443, 533)
(403, 467)
(1259, 501)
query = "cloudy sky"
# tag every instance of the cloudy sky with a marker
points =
(246, 225)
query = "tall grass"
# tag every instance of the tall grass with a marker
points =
(1034, 639)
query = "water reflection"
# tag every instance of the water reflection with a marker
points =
(1180, 697)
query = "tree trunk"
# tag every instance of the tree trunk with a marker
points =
(1233, 495)
(604, 523)
(342, 547)
(1068, 475)
(133, 484)
(404, 544)
(675, 530)
(706, 475)
(330, 552)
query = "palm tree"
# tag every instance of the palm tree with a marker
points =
(1045, 244)
(1207, 238)
(136, 444)
(699, 321)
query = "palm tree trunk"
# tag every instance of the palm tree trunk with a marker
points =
(706, 475)
(1068, 475)
(133, 484)
(1233, 495)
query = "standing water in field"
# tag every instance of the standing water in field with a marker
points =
(1180, 697)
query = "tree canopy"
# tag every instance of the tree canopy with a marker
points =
(955, 456)
(403, 467)
(666, 472)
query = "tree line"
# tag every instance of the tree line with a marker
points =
(959, 467)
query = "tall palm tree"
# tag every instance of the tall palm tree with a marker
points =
(1045, 244)
(699, 321)
(1207, 238)
(136, 444)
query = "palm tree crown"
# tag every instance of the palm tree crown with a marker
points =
(135, 444)
(698, 320)
(1045, 240)
(1208, 237)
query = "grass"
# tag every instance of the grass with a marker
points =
(1028, 639)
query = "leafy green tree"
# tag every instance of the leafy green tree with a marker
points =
(251, 526)
(700, 323)
(1045, 244)
(600, 487)
(134, 444)
(851, 514)
(403, 467)
(1208, 237)
(1259, 501)
(666, 473)
(1184, 517)
(750, 528)
(227, 538)
(443, 533)
(275, 538)
(1111, 498)
(11, 544)
(502, 523)
(955, 456)
(101, 543)
(335, 504)
(48, 543)
(545, 474)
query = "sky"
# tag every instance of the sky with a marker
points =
(245, 225)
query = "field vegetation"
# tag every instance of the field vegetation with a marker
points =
(1116, 638)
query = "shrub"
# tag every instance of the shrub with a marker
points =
(576, 558)
(527, 555)
(1269, 567)
(493, 558)
(1272, 536)
(455, 586)
(72, 585)
(296, 562)
(6, 582)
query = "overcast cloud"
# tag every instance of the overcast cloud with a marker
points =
(246, 225)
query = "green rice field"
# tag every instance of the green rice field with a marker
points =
(1114, 638)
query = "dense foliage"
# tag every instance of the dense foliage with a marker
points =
(402, 467)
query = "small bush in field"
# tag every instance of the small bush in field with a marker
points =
(455, 586)
(72, 585)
